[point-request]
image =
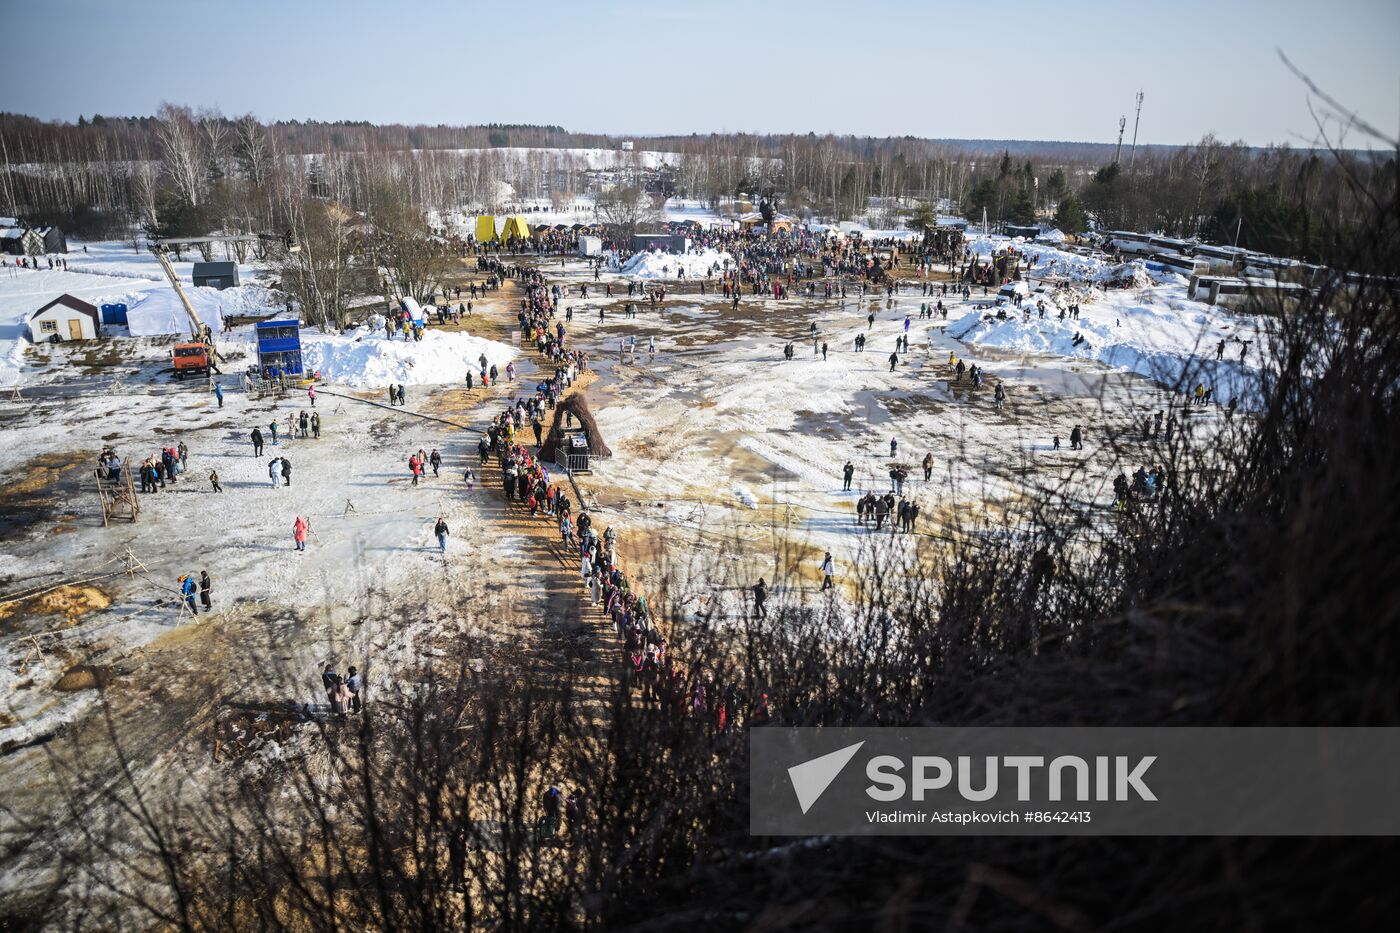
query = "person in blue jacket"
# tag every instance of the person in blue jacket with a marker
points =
(188, 589)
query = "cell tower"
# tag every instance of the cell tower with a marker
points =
(1118, 153)
(1132, 153)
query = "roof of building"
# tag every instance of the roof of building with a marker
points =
(214, 268)
(74, 304)
(11, 233)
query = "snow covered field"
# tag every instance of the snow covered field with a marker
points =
(716, 439)
(111, 273)
(120, 258)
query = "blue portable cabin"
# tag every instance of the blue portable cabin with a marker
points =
(113, 314)
(279, 347)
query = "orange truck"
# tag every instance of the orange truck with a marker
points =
(190, 359)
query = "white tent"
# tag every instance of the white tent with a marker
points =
(160, 312)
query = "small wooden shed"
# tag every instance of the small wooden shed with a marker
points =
(66, 318)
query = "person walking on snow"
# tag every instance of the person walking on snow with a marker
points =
(299, 533)
(894, 447)
(435, 459)
(257, 443)
(894, 360)
(272, 426)
(204, 585)
(274, 470)
(330, 680)
(440, 529)
(354, 683)
(286, 472)
(187, 590)
(311, 394)
(847, 472)
(828, 569)
(219, 394)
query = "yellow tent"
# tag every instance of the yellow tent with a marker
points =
(486, 229)
(516, 227)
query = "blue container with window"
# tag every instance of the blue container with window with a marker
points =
(279, 347)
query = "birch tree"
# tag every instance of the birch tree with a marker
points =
(181, 152)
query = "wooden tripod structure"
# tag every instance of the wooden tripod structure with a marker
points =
(118, 497)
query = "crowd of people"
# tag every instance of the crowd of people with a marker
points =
(343, 693)
(160, 468)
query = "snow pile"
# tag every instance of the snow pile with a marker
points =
(1040, 260)
(1123, 275)
(365, 359)
(1154, 332)
(659, 265)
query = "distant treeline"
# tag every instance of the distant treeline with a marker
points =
(104, 174)
(31, 140)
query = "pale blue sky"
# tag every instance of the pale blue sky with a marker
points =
(1010, 69)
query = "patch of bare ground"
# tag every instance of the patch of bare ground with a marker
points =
(70, 601)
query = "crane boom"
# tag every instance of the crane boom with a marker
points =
(196, 325)
(159, 247)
